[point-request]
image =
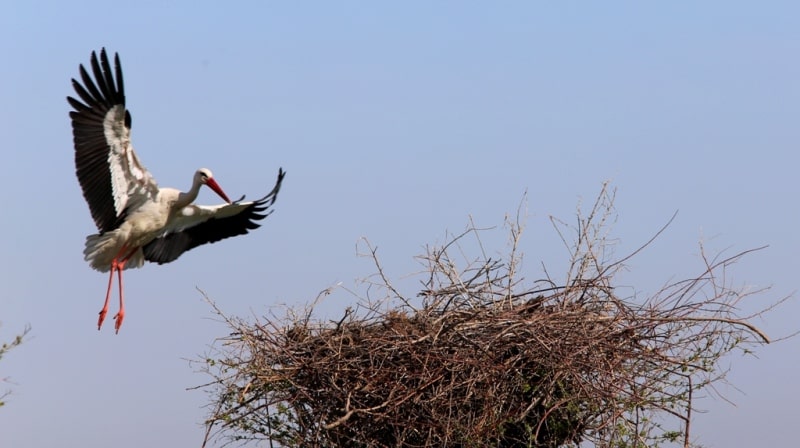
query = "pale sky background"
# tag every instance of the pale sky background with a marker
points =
(394, 122)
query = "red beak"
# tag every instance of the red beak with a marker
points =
(212, 184)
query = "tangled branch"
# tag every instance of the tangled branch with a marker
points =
(481, 358)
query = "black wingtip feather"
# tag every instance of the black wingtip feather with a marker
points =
(120, 83)
(101, 81)
(97, 93)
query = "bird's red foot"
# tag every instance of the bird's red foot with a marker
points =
(102, 317)
(118, 318)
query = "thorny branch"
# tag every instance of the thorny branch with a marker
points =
(5, 348)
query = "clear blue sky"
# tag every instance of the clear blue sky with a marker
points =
(395, 122)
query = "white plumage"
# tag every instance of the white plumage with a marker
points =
(138, 221)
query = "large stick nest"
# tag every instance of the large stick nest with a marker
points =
(478, 360)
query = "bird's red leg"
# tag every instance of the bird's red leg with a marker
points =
(104, 311)
(121, 267)
(121, 313)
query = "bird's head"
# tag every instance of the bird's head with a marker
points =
(203, 176)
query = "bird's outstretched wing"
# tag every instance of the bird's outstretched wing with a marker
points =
(197, 225)
(110, 174)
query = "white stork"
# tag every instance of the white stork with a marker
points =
(138, 221)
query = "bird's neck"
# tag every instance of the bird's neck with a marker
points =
(186, 198)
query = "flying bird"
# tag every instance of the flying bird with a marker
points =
(136, 220)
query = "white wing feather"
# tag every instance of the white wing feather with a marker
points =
(131, 183)
(192, 215)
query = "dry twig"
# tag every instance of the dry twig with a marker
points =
(479, 359)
